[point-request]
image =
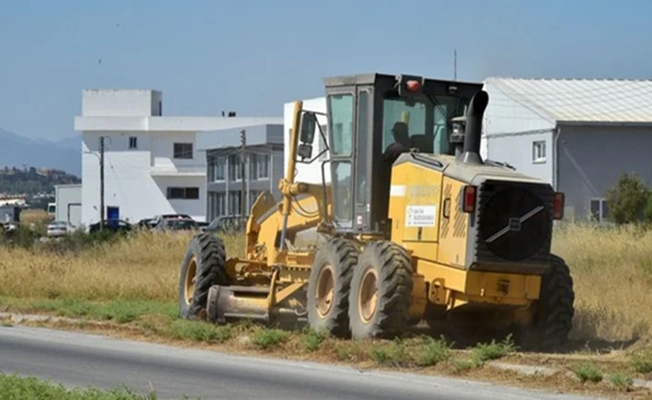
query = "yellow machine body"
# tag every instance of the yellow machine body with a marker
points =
(440, 251)
(453, 258)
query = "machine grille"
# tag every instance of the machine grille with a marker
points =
(514, 222)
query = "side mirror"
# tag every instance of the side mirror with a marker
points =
(308, 126)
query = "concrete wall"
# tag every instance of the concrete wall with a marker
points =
(592, 159)
(518, 150)
(162, 152)
(68, 199)
(120, 102)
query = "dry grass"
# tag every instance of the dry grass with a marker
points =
(612, 269)
(34, 216)
(144, 267)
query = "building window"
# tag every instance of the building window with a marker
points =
(235, 169)
(260, 166)
(263, 166)
(183, 193)
(216, 204)
(234, 202)
(220, 164)
(183, 150)
(133, 142)
(539, 151)
(599, 209)
(221, 204)
(216, 167)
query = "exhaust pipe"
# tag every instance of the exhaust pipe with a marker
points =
(473, 129)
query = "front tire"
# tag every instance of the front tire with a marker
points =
(203, 266)
(329, 285)
(381, 291)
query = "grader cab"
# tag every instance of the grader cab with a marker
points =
(412, 225)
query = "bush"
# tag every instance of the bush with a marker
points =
(30, 239)
(628, 199)
(647, 212)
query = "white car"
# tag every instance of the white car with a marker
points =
(57, 228)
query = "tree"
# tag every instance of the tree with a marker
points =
(627, 199)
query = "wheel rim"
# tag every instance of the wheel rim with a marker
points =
(189, 287)
(368, 296)
(325, 291)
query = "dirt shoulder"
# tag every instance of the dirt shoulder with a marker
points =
(614, 374)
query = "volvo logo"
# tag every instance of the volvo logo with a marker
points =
(514, 224)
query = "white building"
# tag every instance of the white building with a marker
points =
(151, 164)
(308, 173)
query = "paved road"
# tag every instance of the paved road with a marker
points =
(80, 360)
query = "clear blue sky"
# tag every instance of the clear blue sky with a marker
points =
(253, 56)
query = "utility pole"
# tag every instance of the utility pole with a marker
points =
(455, 65)
(243, 165)
(101, 183)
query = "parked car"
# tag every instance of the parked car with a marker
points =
(157, 219)
(177, 224)
(57, 229)
(114, 225)
(147, 223)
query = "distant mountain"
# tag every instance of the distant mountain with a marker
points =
(17, 151)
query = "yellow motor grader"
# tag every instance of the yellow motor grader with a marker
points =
(409, 224)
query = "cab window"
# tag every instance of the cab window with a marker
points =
(341, 123)
(426, 124)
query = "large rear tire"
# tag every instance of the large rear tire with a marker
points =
(329, 285)
(203, 266)
(553, 318)
(381, 291)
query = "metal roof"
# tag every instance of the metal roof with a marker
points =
(371, 78)
(581, 100)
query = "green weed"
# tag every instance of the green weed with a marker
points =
(587, 372)
(268, 338)
(434, 351)
(311, 340)
(200, 331)
(621, 382)
(13, 387)
(483, 352)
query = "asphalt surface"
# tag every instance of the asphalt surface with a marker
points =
(76, 359)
